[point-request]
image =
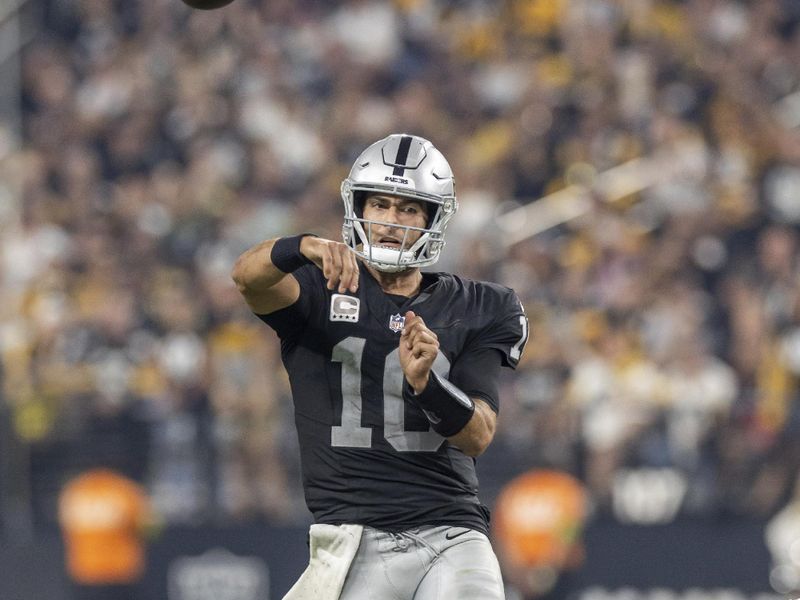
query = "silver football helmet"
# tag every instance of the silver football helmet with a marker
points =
(402, 165)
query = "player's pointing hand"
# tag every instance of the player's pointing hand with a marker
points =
(338, 263)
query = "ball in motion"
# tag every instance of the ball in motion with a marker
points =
(207, 4)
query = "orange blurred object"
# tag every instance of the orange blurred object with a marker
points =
(102, 516)
(539, 518)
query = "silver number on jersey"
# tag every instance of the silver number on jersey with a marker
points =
(516, 350)
(394, 408)
(350, 434)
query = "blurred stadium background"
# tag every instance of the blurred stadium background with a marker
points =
(630, 167)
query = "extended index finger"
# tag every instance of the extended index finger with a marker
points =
(349, 279)
(410, 320)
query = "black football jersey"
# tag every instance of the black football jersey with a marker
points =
(367, 456)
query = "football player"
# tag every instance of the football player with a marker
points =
(394, 377)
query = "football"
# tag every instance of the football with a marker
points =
(207, 4)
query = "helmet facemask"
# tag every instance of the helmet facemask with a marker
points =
(418, 173)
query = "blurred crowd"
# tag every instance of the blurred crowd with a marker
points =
(159, 142)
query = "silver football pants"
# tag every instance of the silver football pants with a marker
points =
(429, 563)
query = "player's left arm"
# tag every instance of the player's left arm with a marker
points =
(466, 420)
(478, 433)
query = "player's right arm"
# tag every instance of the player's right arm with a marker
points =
(266, 288)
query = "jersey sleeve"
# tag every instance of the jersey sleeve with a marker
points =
(477, 374)
(507, 332)
(496, 342)
(289, 322)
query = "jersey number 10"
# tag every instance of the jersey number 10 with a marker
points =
(351, 434)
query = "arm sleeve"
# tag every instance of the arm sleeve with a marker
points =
(499, 343)
(477, 373)
(507, 332)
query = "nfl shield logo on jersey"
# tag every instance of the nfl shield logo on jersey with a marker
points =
(396, 322)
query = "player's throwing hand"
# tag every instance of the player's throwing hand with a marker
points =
(338, 263)
(419, 347)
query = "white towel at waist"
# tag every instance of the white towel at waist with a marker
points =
(332, 549)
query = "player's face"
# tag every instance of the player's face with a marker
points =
(394, 210)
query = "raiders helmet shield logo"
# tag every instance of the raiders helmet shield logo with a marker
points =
(397, 322)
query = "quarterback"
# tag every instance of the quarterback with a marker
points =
(394, 377)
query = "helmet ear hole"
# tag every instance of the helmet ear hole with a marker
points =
(359, 199)
(430, 213)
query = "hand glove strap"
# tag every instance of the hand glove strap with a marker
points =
(446, 407)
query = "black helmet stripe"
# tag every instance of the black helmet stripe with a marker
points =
(402, 156)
